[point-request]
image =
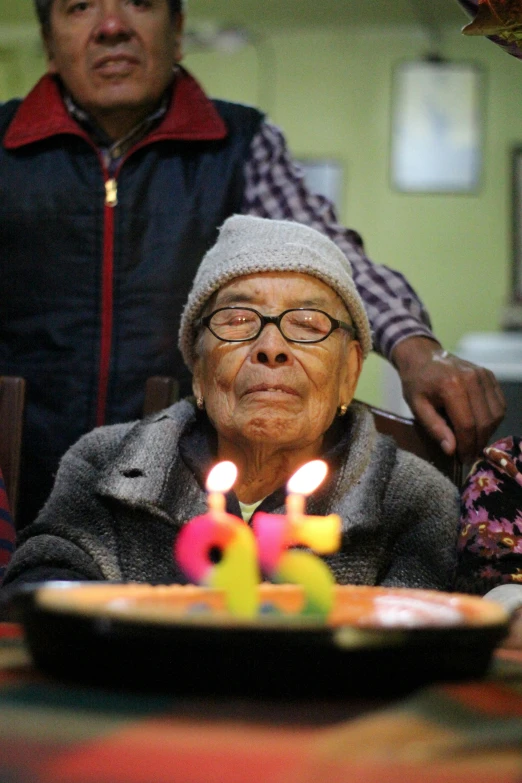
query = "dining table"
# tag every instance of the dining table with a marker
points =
(58, 731)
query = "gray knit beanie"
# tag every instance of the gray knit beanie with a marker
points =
(250, 244)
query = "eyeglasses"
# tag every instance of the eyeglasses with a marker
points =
(299, 325)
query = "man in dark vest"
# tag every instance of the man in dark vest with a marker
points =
(115, 173)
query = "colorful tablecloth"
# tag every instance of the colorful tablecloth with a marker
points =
(51, 732)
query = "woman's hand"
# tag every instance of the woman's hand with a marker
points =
(442, 389)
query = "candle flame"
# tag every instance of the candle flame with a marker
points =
(307, 478)
(221, 477)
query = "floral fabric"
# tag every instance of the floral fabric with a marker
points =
(490, 536)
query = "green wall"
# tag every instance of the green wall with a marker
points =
(330, 90)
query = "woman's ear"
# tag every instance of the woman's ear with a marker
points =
(197, 385)
(350, 372)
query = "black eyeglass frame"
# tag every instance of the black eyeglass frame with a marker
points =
(276, 320)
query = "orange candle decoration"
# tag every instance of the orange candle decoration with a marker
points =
(276, 533)
(218, 549)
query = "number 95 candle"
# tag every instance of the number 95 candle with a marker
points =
(218, 549)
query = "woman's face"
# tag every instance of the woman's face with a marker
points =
(271, 391)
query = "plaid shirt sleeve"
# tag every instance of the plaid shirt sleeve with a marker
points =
(7, 531)
(275, 188)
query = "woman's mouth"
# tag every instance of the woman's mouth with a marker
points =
(265, 388)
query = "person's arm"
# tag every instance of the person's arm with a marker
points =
(432, 379)
(490, 543)
(422, 506)
(7, 530)
(73, 536)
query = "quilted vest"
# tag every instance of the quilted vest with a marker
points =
(95, 270)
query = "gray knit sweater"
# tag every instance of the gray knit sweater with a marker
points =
(123, 492)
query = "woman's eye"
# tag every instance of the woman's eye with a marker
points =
(305, 324)
(241, 320)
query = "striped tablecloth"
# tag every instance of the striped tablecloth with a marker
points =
(50, 732)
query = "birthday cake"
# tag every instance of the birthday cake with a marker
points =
(184, 639)
(354, 606)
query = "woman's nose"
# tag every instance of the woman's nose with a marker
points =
(271, 347)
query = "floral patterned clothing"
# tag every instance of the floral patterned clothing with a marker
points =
(490, 536)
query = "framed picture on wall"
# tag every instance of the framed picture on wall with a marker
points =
(324, 176)
(516, 272)
(436, 127)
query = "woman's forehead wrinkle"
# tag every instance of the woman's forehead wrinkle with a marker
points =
(232, 297)
(235, 295)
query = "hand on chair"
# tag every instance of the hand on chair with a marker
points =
(436, 385)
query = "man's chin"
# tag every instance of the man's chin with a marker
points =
(118, 109)
(117, 94)
(117, 98)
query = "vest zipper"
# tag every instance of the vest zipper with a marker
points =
(107, 290)
(111, 192)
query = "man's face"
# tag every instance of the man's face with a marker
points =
(114, 56)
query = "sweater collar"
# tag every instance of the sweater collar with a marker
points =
(153, 451)
(198, 450)
(148, 454)
(191, 116)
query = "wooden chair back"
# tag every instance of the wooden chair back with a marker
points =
(12, 400)
(411, 436)
(160, 392)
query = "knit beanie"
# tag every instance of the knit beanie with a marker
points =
(247, 245)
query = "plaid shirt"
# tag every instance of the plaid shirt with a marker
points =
(275, 188)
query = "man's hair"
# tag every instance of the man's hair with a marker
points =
(43, 10)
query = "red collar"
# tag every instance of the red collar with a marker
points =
(190, 117)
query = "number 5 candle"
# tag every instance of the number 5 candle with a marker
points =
(275, 534)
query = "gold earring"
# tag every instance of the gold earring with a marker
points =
(200, 402)
(342, 410)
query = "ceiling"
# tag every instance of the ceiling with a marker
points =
(298, 13)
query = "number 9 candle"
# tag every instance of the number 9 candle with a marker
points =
(275, 533)
(220, 536)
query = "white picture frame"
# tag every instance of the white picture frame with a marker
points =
(436, 136)
(324, 176)
(516, 276)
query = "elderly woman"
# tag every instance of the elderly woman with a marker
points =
(275, 334)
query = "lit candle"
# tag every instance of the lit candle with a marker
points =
(275, 534)
(220, 479)
(218, 549)
(303, 483)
